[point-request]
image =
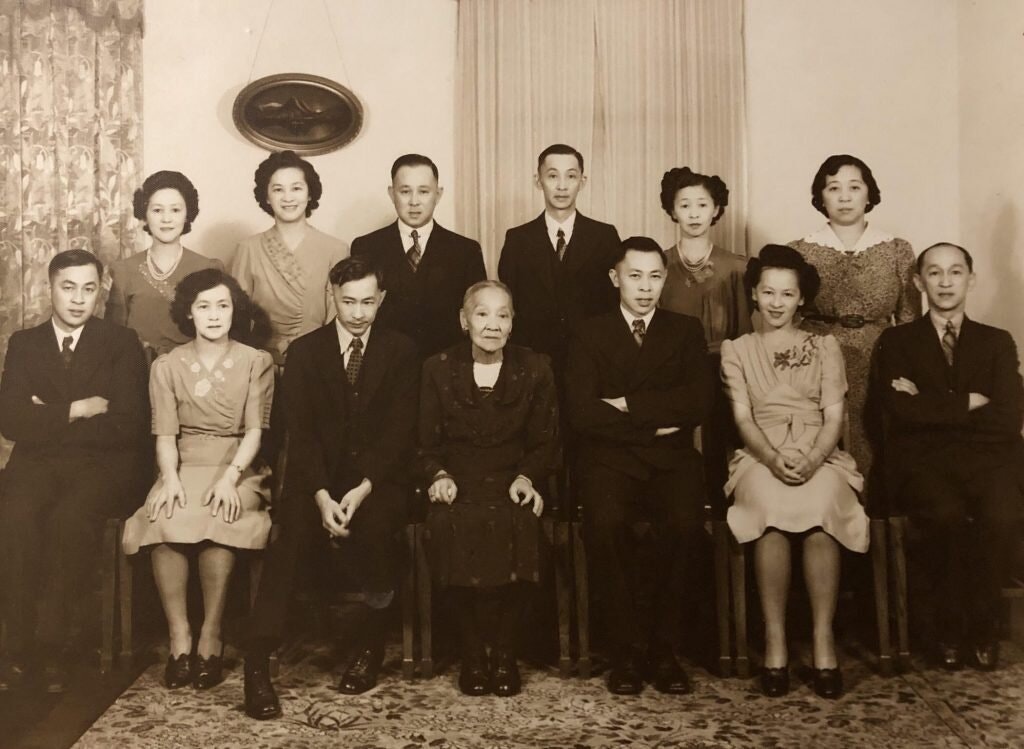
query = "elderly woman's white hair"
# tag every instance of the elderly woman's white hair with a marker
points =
(472, 291)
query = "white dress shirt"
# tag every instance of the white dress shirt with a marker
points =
(553, 226)
(345, 340)
(61, 335)
(422, 235)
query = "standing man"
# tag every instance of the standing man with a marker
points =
(639, 387)
(73, 399)
(427, 266)
(350, 390)
(954, 406)
(557, 264)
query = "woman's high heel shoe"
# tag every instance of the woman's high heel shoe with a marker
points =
(775, 681)
(178, 672)
(828, 683)
(209, 672)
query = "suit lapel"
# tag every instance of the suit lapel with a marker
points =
(622, 345)
(332, 366)
(89, 353)
(966, 356)
(374, 365)
(575, 252)
(44, 341)
(657, 346)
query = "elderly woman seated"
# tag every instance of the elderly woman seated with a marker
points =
(488, 440)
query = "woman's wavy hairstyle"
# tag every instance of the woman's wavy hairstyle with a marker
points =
(830, 167)
(192, 285)
(162, 181)
(286, 160)
(676, 179)
(781, 256)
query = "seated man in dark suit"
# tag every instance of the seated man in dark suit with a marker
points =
(350, 393)
(637, 385)
(557, 264)
(427, 266)
(953, 400)
(74, 400)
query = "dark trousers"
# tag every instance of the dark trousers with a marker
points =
(367, 561)
(967, 512)
(673, 503)
(489, 616)
(51, 515)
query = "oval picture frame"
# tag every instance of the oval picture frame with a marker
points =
(305, 113)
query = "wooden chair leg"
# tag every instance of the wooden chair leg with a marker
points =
(409, 606)
(720, 538)
(125, 593)
(557, 533)
(880, 569)
(424, 592)
(898, 560)
(579, 562)
(108, 566)
(738, 575)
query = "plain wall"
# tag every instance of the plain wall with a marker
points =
(991, 58)
(876, 79)
(397, 56)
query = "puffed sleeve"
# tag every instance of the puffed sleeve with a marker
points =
(241, 266)
(261, 392)
(908, 305)
(833, 372)
(733, 376)
(162, 398)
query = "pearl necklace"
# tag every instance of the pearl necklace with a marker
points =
(700, 264)
(158, 274)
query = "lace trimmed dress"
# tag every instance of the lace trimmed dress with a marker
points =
(873, 279)
(208, 410)
(787, 394)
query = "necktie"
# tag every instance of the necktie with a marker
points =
(639, 330)
(355, 360)
(66, 352)
(949, 342)
(560, 245)
(415, 252)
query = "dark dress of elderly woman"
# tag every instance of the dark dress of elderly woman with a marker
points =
(488, 442)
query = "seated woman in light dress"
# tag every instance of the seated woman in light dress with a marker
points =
(789, 480)
(211, 398)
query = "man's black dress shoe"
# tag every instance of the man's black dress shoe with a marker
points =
(474, 677)
(55, 677)
(949, 657)
(625, 677)
(985, 656)
(361, 675)
(828, 683)
(505, 680)
(12, 675)
(179, 671)
(668, 676)
(260, 698)
(775, 681)
(208, 672)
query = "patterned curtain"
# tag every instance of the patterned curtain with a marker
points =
(70, 142)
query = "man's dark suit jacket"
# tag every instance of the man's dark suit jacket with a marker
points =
(666, 383)
(935, 424)
(108, 362)
(552, 298)
(424, 305)
(333, 444)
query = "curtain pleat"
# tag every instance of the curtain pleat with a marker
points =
(638, 88)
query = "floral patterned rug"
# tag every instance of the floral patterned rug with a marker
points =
(924, 708)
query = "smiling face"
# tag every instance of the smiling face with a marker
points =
(778, 296)
(639, 277)
(845, 196)
(488, 319)
(560, 179)
(212, 312)
(357, 303)
(415, 194)
(945, 279)
(694, 210)
(165, 215)
(288, 194)
(74, 292)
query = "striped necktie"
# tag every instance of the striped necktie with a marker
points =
(949, 342)
(560, 245)
(639, 330)
(415, 252)
(66, 352)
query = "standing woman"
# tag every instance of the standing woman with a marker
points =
(488, 441)
(705, 281)
(211, 398)
(142, 286)
(866, 280)
(284, 270)
(790, 481)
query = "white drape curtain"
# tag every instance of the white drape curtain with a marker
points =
(638, 86)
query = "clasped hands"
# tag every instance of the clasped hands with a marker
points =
(903, 385)
(621, 405)
(336, 516)
(520, 491)
(222, 498)
(795, 470)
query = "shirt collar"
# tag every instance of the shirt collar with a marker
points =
(940, 322)
(345, 338)
(629, 317)
(826, 237)
(566, 226)
(61, 335)
(422, 234)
